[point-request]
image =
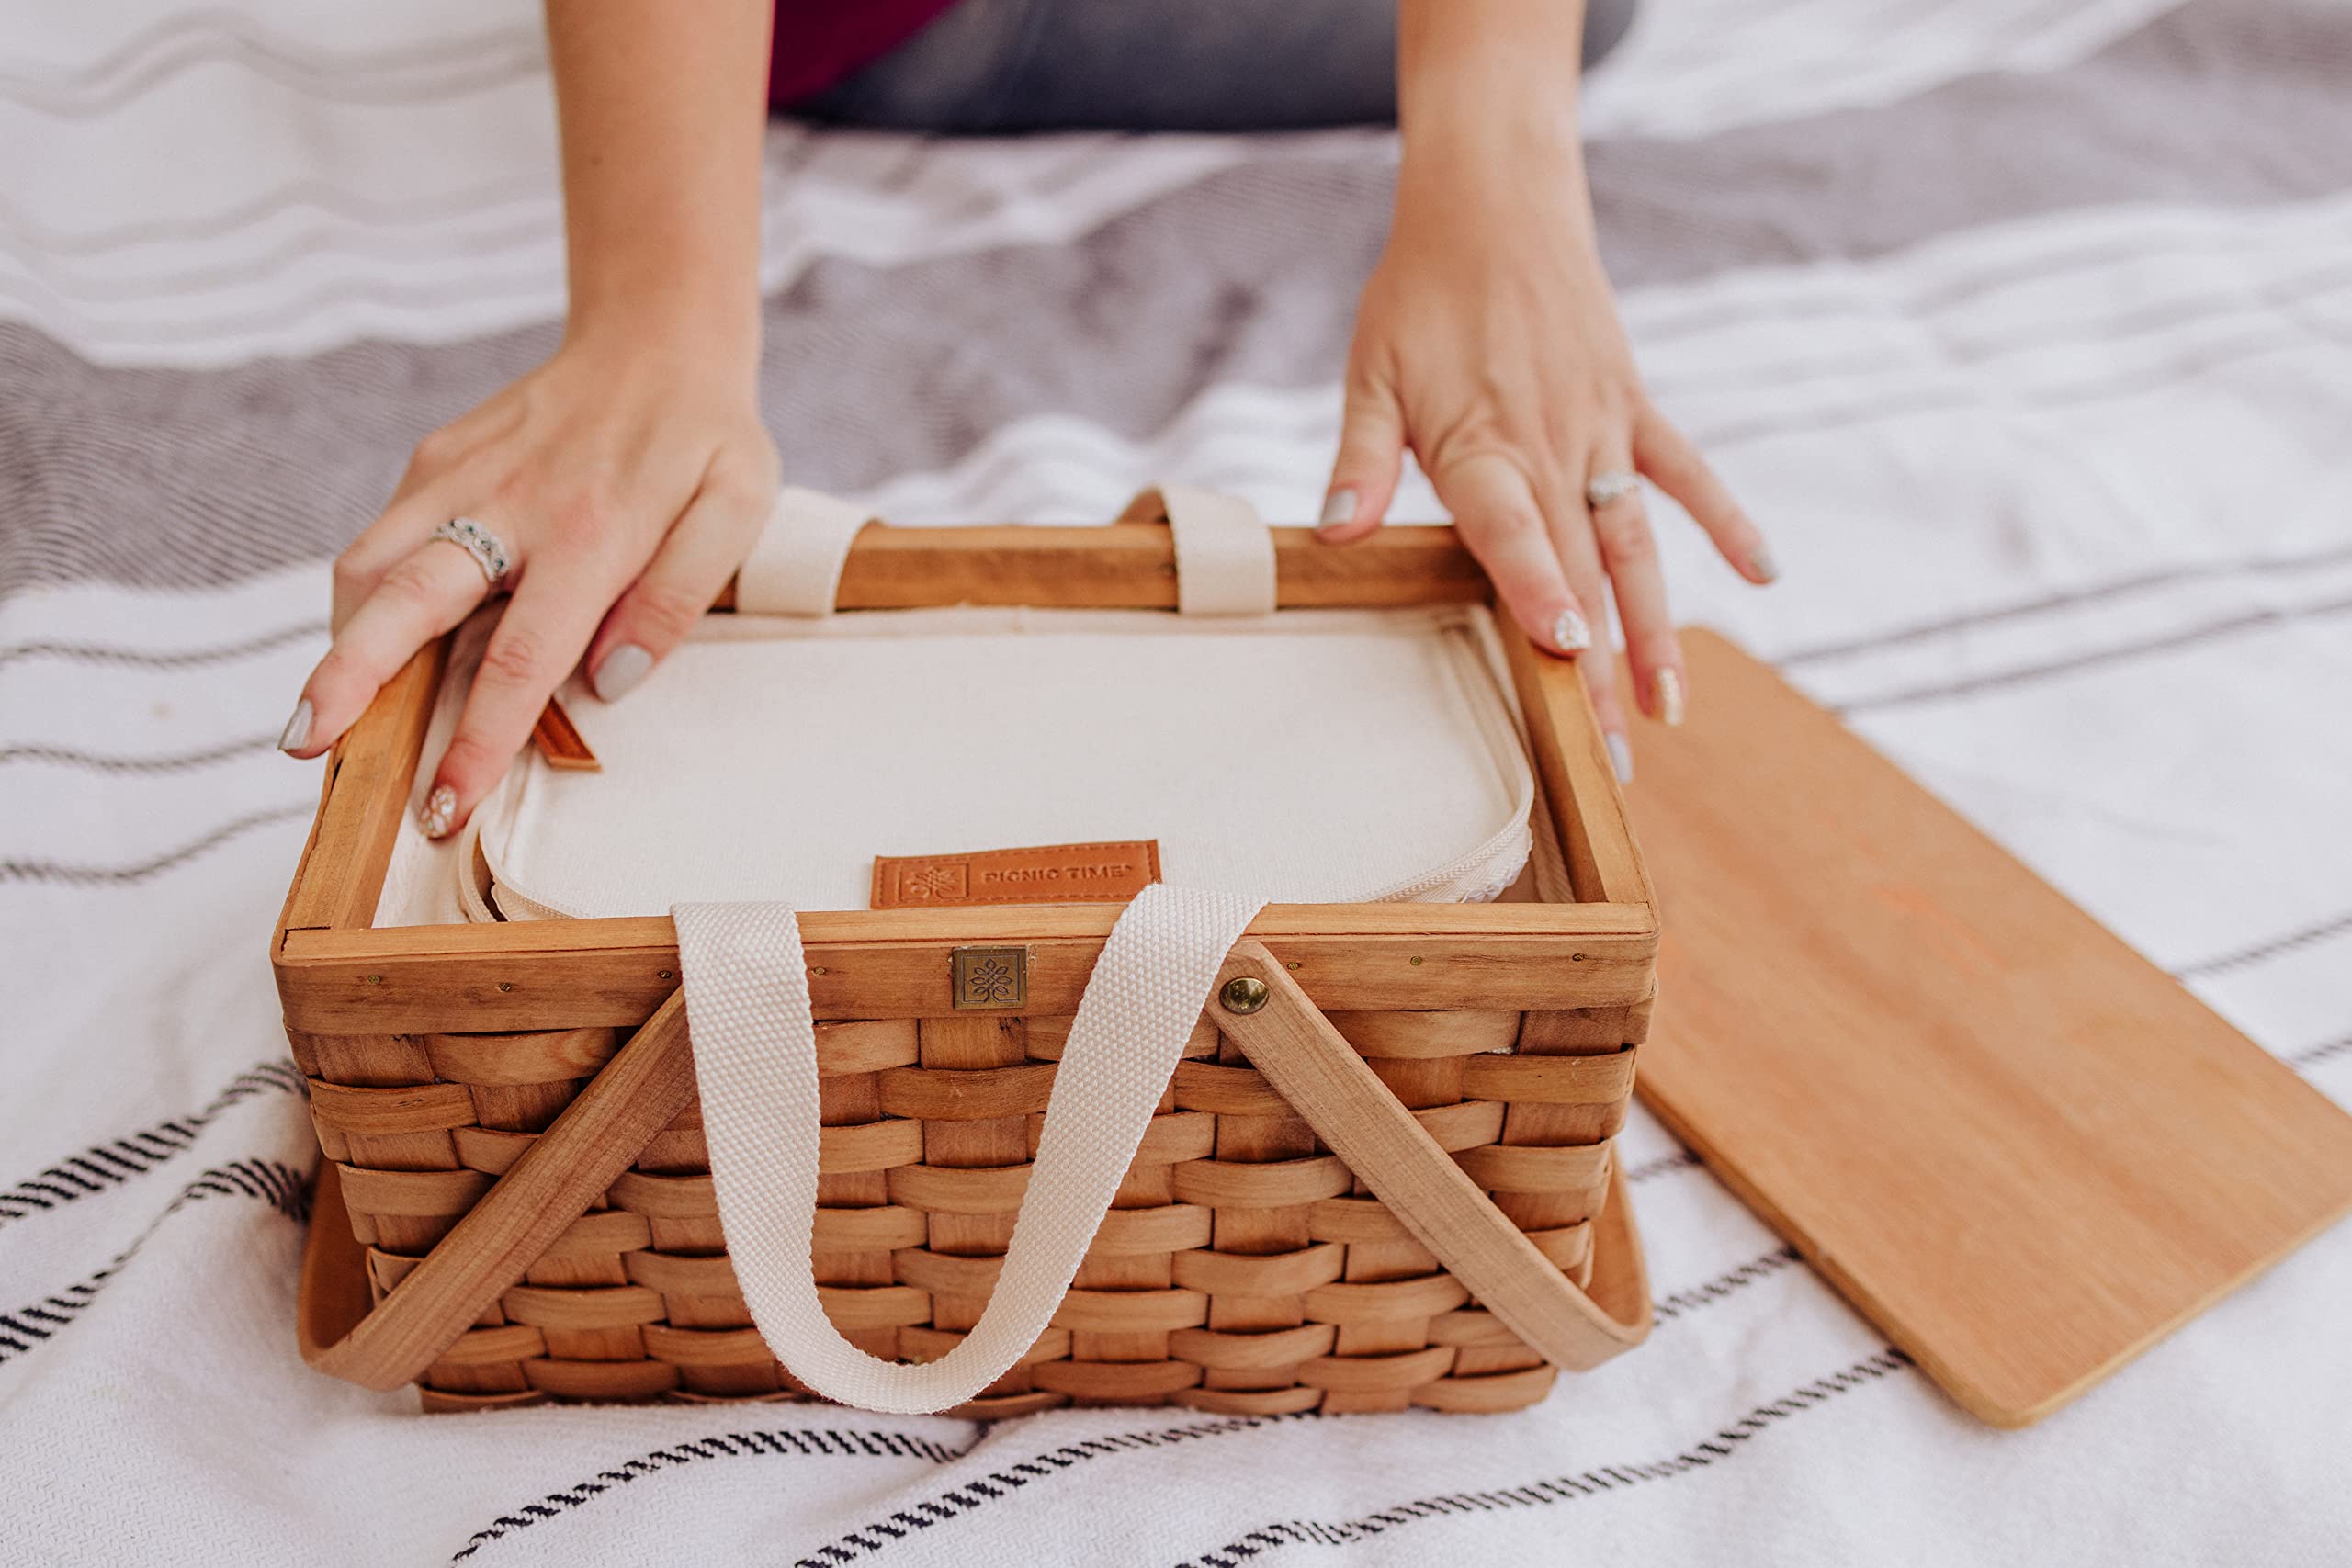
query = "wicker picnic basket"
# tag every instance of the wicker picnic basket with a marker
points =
(1379, 1175)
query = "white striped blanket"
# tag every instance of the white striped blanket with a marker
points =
(2025, 327)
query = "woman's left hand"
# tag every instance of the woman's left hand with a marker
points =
(1488, 342)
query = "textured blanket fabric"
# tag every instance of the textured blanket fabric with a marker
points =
(2025, 326)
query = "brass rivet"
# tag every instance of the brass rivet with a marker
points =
(1294, 965)
(1414, 962)
(816, 969)
(1243, 994)
(375, 979)
(506, 985)
(662, 974)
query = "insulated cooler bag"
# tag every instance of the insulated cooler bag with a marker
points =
(1004, 994)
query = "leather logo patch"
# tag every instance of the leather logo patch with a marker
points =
(1052, 874)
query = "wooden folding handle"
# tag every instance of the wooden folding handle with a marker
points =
(599, 1135)
(1289, 1041)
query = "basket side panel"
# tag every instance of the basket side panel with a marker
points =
(1242, 1268)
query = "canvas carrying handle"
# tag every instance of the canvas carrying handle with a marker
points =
(1225, 555)
(653, 1078)
(755, 1055)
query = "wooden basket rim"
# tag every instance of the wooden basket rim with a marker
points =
(337, 971)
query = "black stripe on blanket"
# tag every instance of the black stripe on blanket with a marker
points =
(172, 763)
(782, 1441)
(789, 1443)
(962, 1501)
(164, 658)
(280, 1186)
(2048, 603)
(140, 871)
(2168, 642)
(1723, 1445)
(1663, 1165)
(951, 1504)
(109, 1163)
(1726, 1283)
(2263, 952)
(2311, 1057)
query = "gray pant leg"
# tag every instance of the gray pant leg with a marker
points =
(1013, 65)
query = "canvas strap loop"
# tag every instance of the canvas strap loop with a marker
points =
(1225, 555)
(795, 566)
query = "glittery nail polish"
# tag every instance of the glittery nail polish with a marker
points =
(1569, 634)
(440, 812)
(1669, 697)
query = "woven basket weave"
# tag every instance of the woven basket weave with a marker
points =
(1243, 1268)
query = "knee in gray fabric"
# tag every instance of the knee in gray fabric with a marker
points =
(1606, 23)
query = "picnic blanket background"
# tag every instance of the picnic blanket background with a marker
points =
(2025, 327)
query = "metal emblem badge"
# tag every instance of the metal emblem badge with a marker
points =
(989, 977)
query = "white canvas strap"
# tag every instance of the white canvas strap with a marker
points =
(755, 1058)
(1225, 555)
(795, 566)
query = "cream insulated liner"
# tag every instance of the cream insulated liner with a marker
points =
(1317, 756)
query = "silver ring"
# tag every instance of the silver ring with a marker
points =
(489, 552)
(1614, 485)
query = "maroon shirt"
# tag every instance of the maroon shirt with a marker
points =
(819, 43)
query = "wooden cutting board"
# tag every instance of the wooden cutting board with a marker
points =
(2017, 1146)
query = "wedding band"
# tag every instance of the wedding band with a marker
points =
(1614, 485)
(478, 542)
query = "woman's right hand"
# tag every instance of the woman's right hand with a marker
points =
(626, 478)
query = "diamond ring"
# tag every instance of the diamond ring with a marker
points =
(489, 552)
(1614, 485)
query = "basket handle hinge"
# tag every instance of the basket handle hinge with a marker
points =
(566, 1168)
(1290, 1042)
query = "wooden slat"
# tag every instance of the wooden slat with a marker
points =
(1431, 1034)
(1133, 566)
(969, 1041)
(893, 963)
(1588, 808)
(500, 1060)
(2021, 1149)
(368, 774)
(416, 1107)
(1551, 1080)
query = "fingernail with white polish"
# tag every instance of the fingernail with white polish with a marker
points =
(1339, 507)
(1569, 634)
(1760, 562)
(440, 812)
(296, 733)
(1621, 756)
(1669, 697)
(621, 671)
